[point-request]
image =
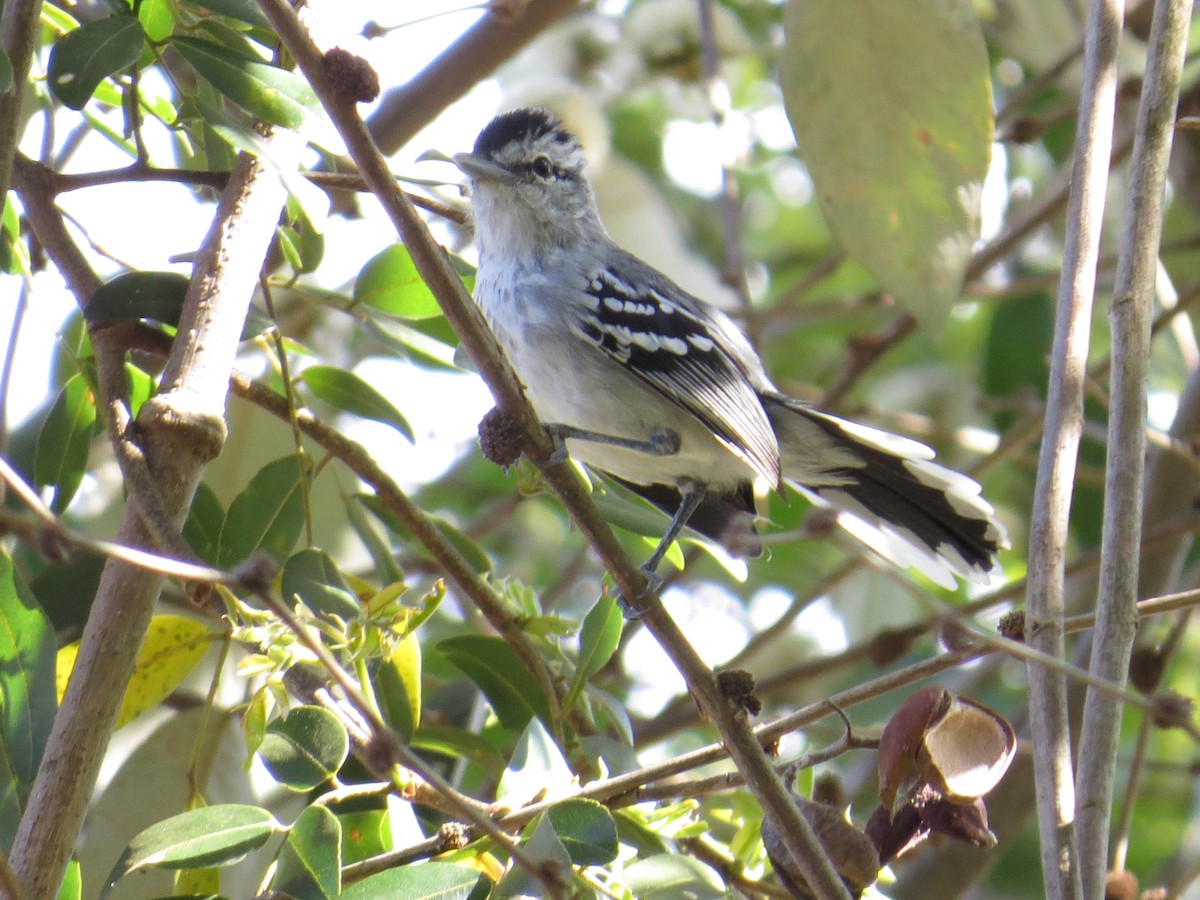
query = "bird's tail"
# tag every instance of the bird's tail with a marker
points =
(889, 493)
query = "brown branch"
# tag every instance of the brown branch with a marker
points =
(182, 427)
(19, 28)
(65, 182)
(404, 111)
(464, 317)
(426, 533)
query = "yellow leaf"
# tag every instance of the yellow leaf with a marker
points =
(172, 648)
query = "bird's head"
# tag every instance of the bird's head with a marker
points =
(528, 184)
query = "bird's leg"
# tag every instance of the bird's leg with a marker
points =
(662, 441)
(691, 496)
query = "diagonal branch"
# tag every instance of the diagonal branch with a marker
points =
(473, 57)
(433, 265)
(182, 428)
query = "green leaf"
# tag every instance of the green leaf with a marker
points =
(546, 850)
(304, 748)
(372, 535)
(139, 295)
(72, 883)
(537, 767)
(493, 666)
(268, 92)
(455, 744)
(468, 548)
(210, 836)
(428, 881)
(83, 58)
(301, 242)
(398, 685)
(671, 875)
(1015, 356)
(901, 180)
(587, 831)
(313, 576)
(141, 387)
(27, 690)
(598, 640)
(268, 515)
(202, 530)
(157, 18)
(391, 283)
(64, 441)
(6, 72)
(242, 10)
(310, 864)
(408, 342)
(365, 834)
(346, 391)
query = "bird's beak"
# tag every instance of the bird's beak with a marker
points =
(479, 169)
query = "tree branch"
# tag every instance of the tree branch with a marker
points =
(1049, 715)
(434, 268)
(19, 24)
(183, 428)
(1130, 314)
(473, 57)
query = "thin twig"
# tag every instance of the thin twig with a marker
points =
(182, 427)
(465, 318)
(425, 532)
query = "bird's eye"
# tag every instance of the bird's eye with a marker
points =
(542, 168)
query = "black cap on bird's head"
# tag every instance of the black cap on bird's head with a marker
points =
(526, 125)
(528, 185)
(529, 144)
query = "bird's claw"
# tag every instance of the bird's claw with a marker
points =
(654, 582)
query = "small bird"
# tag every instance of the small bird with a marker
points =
(664, 394)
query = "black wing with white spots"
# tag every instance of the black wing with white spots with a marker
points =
(676, 348)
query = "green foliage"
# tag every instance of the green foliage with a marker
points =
(310, 863)
(272, 94)
(27, 686)
(546, 690)
(903, 186)
(210, 836)
(85, 57)
(139, 295)
(349, 393)
(65, 441)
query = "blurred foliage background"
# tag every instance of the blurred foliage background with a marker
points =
(733, 155)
